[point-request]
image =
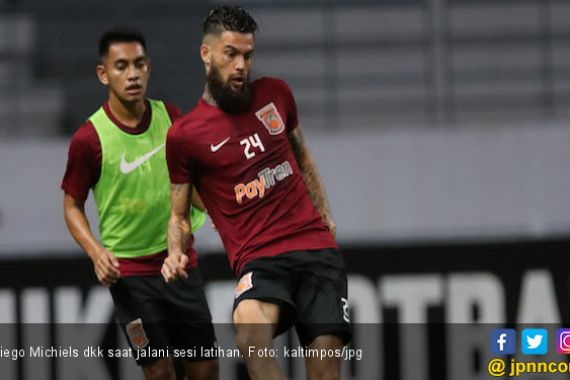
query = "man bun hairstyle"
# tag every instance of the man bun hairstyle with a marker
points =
(232, 18)
(119, 34)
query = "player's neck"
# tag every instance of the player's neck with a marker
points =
(128, 114)
(207, 96)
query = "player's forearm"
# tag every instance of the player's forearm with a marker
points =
(179, 231)
(310, 173)
(179, 224)
(315, 186)
(79, 228)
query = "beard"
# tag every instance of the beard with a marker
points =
(229, 100)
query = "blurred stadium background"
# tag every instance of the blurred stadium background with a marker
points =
(440, 128)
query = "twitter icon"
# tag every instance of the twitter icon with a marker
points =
(534, 341)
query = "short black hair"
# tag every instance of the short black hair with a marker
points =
(232, 18)
(119, 34)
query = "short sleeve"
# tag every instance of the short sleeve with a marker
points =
(291, 107)
(173, 112)
(177, 159)
(83, 163)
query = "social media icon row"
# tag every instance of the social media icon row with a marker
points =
(533, 341)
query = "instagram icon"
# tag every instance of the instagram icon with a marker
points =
(563, 341)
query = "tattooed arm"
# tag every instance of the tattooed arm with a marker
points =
(179, 231)
(311, 176)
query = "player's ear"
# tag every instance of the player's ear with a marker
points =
(102, 74)
(205, 53)
(148, 65)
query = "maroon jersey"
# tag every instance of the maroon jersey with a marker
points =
(83, 171)
(247, 176)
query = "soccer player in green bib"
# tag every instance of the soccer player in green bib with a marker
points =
(119, 153)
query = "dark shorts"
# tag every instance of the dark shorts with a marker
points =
(156, 316)
(310, 287)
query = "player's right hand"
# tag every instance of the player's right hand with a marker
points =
(174, 267)
(106, 267)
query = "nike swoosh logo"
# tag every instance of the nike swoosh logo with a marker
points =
(127, 167)
(217, 147)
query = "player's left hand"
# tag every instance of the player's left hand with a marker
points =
(174, 267)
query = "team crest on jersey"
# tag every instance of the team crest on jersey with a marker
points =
(271, 119)
(136, 334)
(245, 283)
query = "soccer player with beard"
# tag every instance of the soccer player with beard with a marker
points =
(243, 150)
(119, 153)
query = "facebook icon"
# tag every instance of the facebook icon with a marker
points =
(503, 342)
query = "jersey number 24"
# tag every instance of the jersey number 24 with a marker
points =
(249, 142)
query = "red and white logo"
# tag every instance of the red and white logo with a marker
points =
(136, 334)
(271, 119)
(245, 283)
